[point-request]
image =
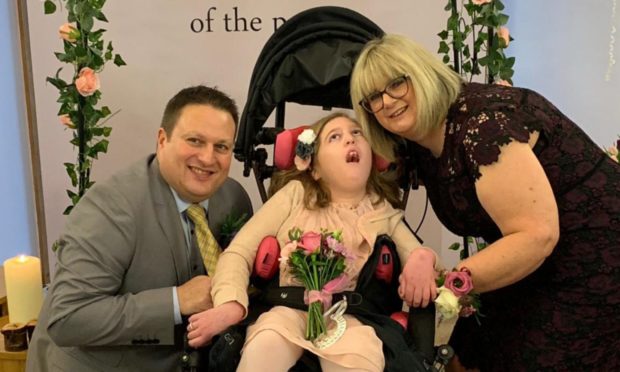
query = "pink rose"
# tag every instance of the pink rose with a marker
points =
(503, 82)
(310, 241)
(504, 34)
(480, 2)
(87, 82)
(459, 282)
(66, 121)
(68, 32)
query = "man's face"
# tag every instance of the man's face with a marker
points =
(195, 158)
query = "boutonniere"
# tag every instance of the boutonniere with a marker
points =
(233, 222)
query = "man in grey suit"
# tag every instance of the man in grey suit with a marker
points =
(129, 270)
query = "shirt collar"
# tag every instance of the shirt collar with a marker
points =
(182, 205)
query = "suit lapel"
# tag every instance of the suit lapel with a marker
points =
(169, 221)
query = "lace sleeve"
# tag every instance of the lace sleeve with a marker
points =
(488, 130)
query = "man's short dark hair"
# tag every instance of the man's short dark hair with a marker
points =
(198, 95)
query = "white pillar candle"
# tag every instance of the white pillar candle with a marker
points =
(24, 288)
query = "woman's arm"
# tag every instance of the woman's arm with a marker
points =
(516, 194)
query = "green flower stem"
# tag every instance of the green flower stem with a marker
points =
(455, 52)
(316, 322)
(315, 274)
(306, 271)
(83, 168)
(81, 133)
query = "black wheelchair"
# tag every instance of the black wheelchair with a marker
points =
(308, 61)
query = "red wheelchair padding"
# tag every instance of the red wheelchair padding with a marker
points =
(266, 262)
(381, 164)
(385, 267)
(402, 318)
(284, 150)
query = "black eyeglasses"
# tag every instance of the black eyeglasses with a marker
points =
(396, 88)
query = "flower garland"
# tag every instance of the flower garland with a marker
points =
(85, 50)
(486, 48)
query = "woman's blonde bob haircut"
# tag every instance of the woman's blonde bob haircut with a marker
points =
(435, 84)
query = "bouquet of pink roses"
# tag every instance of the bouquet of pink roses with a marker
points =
(317, 260)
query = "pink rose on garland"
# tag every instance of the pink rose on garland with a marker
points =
(480, 2)
(66, 121)
(87, 82)
(69, 33)
(503, 82)
(504, 34)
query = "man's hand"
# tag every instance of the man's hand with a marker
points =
(195, 295)
(417, 281)
(204, 325)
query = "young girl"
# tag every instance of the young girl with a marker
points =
(335, 187)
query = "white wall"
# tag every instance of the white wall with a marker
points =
(163, 56)
(562, 49)
(17, 226)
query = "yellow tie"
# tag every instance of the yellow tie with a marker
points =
(209, 249)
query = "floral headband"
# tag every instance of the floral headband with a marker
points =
(304, 149)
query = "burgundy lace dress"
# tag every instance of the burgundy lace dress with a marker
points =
(565, 315)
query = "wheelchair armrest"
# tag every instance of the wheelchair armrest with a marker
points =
(266, 262)
(421, 326)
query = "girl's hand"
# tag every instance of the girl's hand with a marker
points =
(203, 326)
(417, 281)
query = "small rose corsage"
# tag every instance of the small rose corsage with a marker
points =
(455, 296)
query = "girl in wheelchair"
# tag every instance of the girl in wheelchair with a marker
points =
(332, 186)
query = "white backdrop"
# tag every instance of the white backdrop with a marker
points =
(565, 49)
(164, 55)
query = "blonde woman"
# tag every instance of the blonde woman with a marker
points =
(505, 164)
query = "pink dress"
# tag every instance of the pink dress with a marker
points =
(359, 347)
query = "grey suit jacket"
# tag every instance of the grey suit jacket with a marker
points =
(110, 305)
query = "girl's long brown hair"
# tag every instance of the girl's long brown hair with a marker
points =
(316, 193)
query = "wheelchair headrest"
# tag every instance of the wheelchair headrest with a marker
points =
(284, 150)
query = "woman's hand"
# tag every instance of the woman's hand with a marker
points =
(203, 326)
(417, 281)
